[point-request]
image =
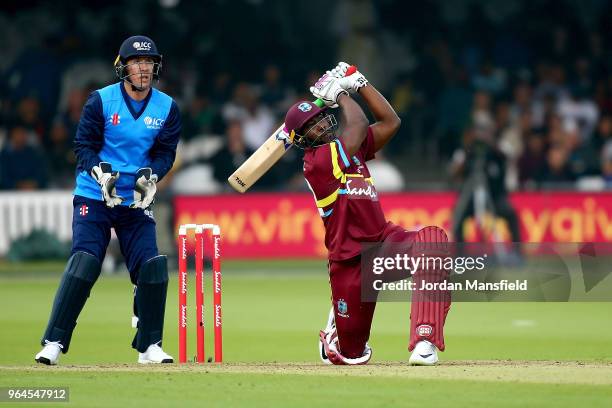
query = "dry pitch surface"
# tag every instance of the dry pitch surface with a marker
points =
(545, 372)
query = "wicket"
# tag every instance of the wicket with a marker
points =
(200, 230)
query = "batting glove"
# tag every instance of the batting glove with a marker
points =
(328, 90)
(144, 189)
(339, 71)
(351, 83)
(106, 178)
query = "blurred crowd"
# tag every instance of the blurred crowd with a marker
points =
(533, 80)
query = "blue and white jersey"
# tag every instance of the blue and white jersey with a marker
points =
(111, 130)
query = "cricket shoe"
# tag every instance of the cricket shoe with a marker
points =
(329, 328)
(331, 355)
(154, 355)
(424, 354)
(49, 355)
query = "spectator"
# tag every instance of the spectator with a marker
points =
(556, 135)
(603, 95)
(578, 113)
(606, 164)
(551, 84)
(603, 133)
(453, 111)
(233, 153)
(557, 169)
(510, 138)
(523, 102)
(408, 102)
(22, 165)
(273, 92)
(532, 163)
(220, 91)
(482, 117)
(28, 115)
(480, 167)
(257, 121)
(37, 72)
(583, 83)
(584, 159)
(70, 118)
(61, 158)
(201, 118)
(489, 79)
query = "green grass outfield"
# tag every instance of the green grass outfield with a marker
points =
(498, 354)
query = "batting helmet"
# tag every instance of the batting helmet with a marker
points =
(137, 46)
(298, 115)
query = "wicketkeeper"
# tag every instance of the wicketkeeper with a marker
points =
(335, 168)
(125, 143)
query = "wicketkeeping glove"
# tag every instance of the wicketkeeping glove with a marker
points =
(351, 83)
(328, 90)
(105, 176)
(144, 189)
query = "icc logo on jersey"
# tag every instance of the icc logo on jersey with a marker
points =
(153, 123)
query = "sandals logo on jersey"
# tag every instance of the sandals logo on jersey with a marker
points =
(342, 308)
(424, 330)
(360, 188)
(153, 123)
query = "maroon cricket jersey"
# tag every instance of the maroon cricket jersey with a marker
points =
(345, 196)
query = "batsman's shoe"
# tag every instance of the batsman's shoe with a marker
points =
(330, 327)
(424, 354)
(334, 356)
(154, 355)
(49, 355)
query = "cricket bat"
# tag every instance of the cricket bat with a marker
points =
(266, 156)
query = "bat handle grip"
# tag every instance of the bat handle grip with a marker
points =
(350, 71)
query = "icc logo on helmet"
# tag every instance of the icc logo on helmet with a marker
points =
(142, 46)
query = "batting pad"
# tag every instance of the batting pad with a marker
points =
(81, 273)
(429, 307)
(150, 302)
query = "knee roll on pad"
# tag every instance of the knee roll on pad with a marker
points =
(82, 271)
(150, 302)
(431, 239)
(84, 266)
(154, 271)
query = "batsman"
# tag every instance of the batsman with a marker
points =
(336, 171)
(125, 143)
